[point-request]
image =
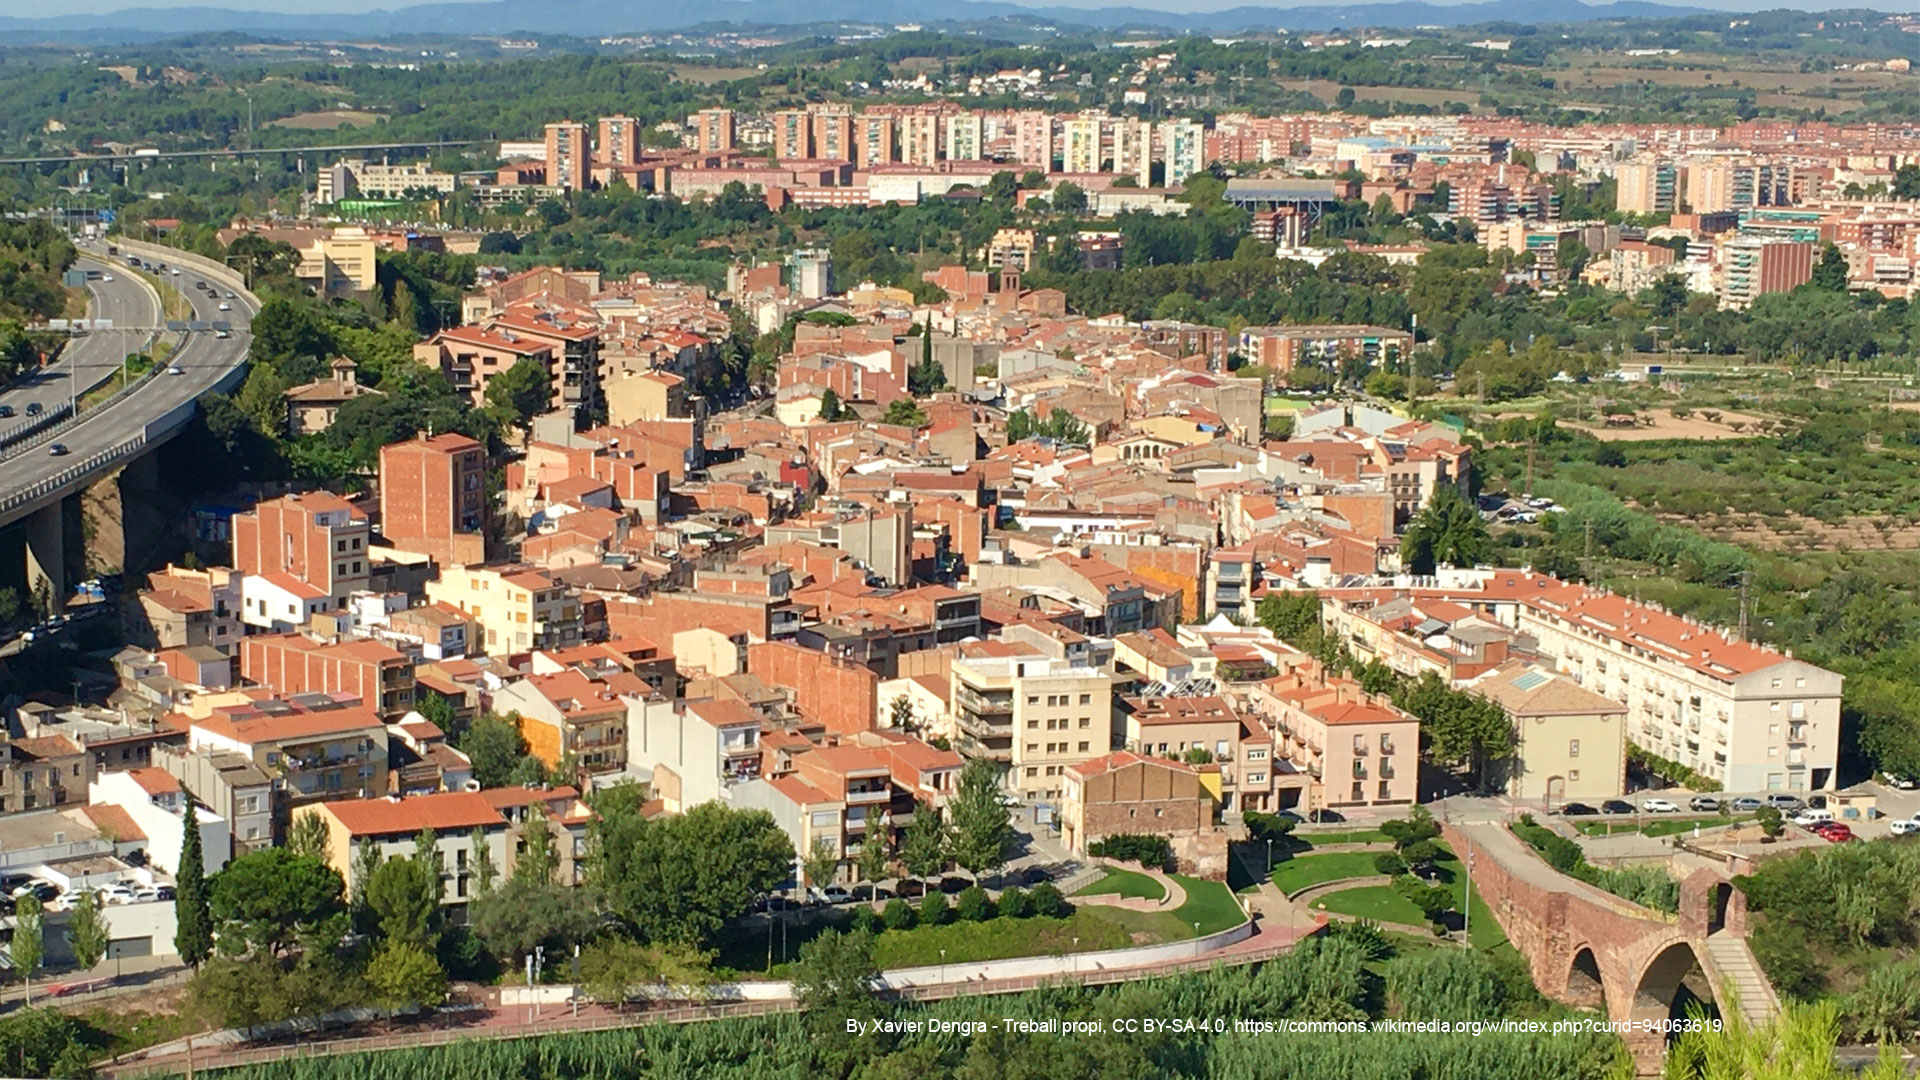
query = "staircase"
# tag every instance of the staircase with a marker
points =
(1734, 963)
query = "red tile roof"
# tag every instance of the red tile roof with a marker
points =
(451, 811)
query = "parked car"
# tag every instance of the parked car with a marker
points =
(115, 894)
(1616, 806)
(835, 894)
(1780, 801)
(1577, 809)
(1904, 783)
(1813, 819)
(1658, 806)
(1033, 875)
(43, 891)
(1904, 827)
(1703, 804)
(911, 889)
(1835, 833)
(1746, 804)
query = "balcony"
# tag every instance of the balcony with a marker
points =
(985, 729)
(979, 703)
(1359, 770)
(868, 796)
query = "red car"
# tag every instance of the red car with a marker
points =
(1832, 832)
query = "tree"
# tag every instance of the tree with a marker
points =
(516, 916)
(1830, 273)
(1770, 822)
(404, 896)
(834, 982)
(683, 878)
(193, 918)
(1266, 827)
(521, 392)
(616, 968)
(496, 747)
(900, 713)
(904, 412)
(1458, 728)
(1447, 530)
(1002, 187)
(29, 943)
(266, 897)
(308, 836)
(923, 851)
(1068, 198)
(821, 862)
(88, 931)
(484, 872)
(831, 411)
(981, 829)
(366, 863)
(873, 864)
(541, 860)
(1293, 616)
(402, 973)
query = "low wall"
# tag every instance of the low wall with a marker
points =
(202, 265)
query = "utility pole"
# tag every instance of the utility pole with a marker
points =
(1746, 578)
(1529, 470)
(1589, 539)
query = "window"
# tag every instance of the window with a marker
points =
(1573, 775)
(1800, 681)
(1159, 811)
(1359, 791)
(1256, 778)
(1086, 699)
(1083, 746)
(1032, 771)
(1776, 683)
(1033, 725)
(1773, 729)
(1773, 751)
(1573, 747)
(1086, 721)
(1033, 699)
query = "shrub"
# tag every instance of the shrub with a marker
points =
(1389, 864)
(1150, 851)
(1015, 904)
(934, 910)
(865, 919)
(1047, 901)
(897, 915)
(974, 905)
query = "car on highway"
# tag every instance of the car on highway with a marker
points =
(230, 296)
(34, 408)
(1577, 809)
(1746, 804)
(175, 369)
(1904, 827)
(6, 411)
(175, 271)
(222, 334)
(224, 306)
(1703, 804)
(106, 277)
(1659, 806)
(58, 449)
(1616, 806)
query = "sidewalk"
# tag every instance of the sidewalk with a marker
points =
(111, 979)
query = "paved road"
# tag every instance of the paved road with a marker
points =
(128, 301)
(203, 362)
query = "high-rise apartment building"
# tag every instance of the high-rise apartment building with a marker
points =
(833, 133)
(873, 141)
(1645, 186)
(919, 138)
(1033, 139)
(1183, 145)
(792, 135)
(964, 137)
(568, 156)
(713, 131)
(318, 539)
(1080, 145)
(433, 498)
(619, 140)
(1133, 149)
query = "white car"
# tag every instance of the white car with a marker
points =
(116, 894)
(224, 306)
(1904, 827)
(1658, 806)
(106, 277)
(175, 369)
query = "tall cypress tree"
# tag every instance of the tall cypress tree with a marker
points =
(193, 932)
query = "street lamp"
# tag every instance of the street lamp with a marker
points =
(943, 967)
(1269, 858)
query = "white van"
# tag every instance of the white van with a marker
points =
(1812, 817)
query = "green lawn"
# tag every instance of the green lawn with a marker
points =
(1305, 870)
(1086, 930)
(1487, 934)
(1125, 883)
(1210, 904)
(1373, 902)
(107, 1033)
(1665, 826)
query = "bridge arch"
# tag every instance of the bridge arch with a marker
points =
(1671, 981)
(1586, 987)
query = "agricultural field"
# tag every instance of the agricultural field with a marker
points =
(329, 120)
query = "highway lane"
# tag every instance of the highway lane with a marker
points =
(204, 360)
(128, 301)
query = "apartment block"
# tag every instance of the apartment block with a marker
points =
(232, 785)
(1183, 147)
(433, 498)
(1283, 348)
(714, 131)
(393, 825)
(1749, 717)
(1645, 186)
(833, 134)
(1752, 267)
(1359, 749)
(964, 141)
(619, 141)
(517, 608)
(873, 141)
(1569, 742)
(294, 664)
(694, 751)
(1034, 714)
(1080, 145)
(1234, 750)
(470, 356)
(569, 715)
(919, 138)
(317, 539)
(569, 158)
(793, 135)
(311, 755)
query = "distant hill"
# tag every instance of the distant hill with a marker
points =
(592, 18)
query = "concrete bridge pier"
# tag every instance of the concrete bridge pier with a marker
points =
(46, 535)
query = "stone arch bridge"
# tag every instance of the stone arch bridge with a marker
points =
(1591, 949)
